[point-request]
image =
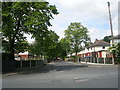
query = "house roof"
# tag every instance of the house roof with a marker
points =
(100, 43)
(25, 53)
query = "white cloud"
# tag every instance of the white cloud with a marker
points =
(92, 8)
(92, 13)
(96, 33)
(58, 30)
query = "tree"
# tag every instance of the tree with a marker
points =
(47, 45)
(24, 17)
(64, 47)
(115, 50)
(118, 48)
(107, 39)
(52, 45)
(77, 36)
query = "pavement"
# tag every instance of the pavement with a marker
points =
(93, 64)
(63, 74)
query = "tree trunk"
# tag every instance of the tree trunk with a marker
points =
(113, 58)
(76, 53)
(12, 51)
(12, 41)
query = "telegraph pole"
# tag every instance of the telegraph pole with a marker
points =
(111, 27)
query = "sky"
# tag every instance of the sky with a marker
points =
(92, 14)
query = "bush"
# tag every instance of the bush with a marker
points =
(5, 56)
(117, 60)
(74, 57)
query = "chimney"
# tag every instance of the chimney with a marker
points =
(96, 40)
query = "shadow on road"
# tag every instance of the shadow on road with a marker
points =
(56, 66)
(68, 67)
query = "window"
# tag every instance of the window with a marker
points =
(103, 47)
(88, 49)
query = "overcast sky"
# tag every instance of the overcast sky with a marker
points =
(93, 14)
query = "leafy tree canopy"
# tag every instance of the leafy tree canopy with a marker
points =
(115, 50)
(25, 17)
(107, 39)
(64, 47)
(77, 35)
(47, 46)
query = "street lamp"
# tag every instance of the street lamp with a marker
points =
(111, 27)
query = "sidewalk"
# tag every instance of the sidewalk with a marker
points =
(91, 64)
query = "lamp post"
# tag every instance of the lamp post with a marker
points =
(111, 27)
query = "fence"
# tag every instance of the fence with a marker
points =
(96, 60)
(29, 63)
(11, 65)
(8, 65)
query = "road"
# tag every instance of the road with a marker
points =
(61, 74)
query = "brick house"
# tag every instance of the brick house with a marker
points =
(98, 49)
(24, 55)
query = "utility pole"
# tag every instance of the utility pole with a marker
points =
(111, 27)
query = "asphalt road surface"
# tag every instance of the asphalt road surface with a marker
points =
(61, 74)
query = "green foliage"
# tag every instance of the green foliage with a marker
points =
(115, 50)
(24, 17)
(77, 35)
(107, 39)
(46, 45)
(65, 44)
(64, 47)
(117, 60)
(73, 57)
(118, 48)
(21, 46)
(52, 45)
